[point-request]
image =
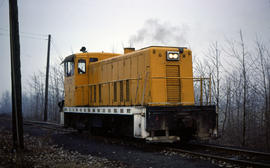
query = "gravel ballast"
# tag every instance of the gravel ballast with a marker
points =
(47, 148)
(39, 153)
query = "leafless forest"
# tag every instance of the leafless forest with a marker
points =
(34, 94)
(240, 73)
(240, 87)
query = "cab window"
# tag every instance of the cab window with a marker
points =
(69, 68)
(93, 59)
(81, 66)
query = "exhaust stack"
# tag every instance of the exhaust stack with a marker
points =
(128, 50)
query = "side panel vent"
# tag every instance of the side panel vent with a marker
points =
(173, 85)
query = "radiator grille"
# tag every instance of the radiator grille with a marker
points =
(173, 85)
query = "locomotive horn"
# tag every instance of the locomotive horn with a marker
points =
(83, 49)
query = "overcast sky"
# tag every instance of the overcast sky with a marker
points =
(108, 25)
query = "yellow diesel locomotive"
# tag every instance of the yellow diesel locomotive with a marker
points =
(146, 93)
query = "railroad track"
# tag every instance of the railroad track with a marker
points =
(236, 156)
(47, 125)
(231, 155)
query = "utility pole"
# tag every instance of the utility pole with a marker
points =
(47, 79)
(17, 121)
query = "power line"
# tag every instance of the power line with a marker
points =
(26, 33)
(25, 36)
(34, 34)
(36, 38)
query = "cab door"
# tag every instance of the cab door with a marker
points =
(81, 81)
(69, 82)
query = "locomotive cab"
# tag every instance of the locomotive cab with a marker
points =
(76, 72)
(76, 69)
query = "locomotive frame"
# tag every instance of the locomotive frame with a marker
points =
(146, 94)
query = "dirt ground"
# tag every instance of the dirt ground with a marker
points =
(39, 152)
(45, 148)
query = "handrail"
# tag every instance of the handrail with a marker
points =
(101, 83)
(195, 79)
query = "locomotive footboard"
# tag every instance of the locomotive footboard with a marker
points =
(182, 123)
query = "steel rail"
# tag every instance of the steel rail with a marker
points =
(42, 122)
(221, 158)
(225, 148)
(47, 125)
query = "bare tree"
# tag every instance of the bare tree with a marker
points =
(5, 103)
(243, 97)
(227, 115)
(261, 50)
(214, 57)
(245, 86)
(241, 58)
(36, 94)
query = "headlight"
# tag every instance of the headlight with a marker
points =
(172, 55)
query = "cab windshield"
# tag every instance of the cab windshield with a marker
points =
(69, 68)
